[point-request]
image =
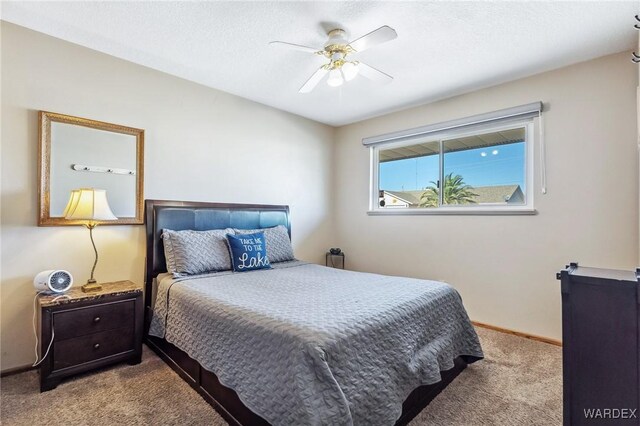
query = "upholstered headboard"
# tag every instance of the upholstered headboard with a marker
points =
(199, 216)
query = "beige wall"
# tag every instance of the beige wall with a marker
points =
(201, 144)
(504, 267)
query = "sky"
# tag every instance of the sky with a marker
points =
(498, 165)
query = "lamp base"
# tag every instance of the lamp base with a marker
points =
(91, 286)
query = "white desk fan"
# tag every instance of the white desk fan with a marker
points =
(54, 280)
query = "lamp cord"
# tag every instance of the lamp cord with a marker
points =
(35, 333)
(94, 249)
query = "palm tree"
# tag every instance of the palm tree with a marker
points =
(455, 192)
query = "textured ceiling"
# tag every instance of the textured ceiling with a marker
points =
(442, 49)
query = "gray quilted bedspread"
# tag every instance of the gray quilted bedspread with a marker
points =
(303, 344)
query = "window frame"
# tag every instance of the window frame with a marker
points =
(485, 209)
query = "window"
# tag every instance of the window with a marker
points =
(473, 169)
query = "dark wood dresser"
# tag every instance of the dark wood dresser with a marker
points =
(601, 346)
(89, 330)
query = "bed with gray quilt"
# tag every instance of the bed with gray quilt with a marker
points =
(307, 344)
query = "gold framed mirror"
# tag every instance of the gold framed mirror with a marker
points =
(77, 153)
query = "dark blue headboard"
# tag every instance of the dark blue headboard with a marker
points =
(181, 215)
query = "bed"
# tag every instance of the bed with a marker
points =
(300, 343)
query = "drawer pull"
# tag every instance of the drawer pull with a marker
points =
(96, 346)
(96, 319)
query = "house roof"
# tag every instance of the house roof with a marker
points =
(495, 194)
(411, 197)
(486, 194)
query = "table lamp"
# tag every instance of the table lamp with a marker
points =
(89, 205)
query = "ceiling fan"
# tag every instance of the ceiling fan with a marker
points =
(336, 49)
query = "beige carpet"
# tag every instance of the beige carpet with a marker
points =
(519, 383)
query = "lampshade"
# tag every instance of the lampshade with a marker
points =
(335, 78)
(88, 204)
(350, 70)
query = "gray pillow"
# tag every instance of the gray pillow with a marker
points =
(277, 241)
(196, 252)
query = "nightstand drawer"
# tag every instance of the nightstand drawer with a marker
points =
(93, 319)
(79, 350)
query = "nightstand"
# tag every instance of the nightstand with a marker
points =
(334, 260)
(89, 330)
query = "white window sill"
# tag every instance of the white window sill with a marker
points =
(464, 211)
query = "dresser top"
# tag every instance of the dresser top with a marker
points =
(75, 294)
(608, 274)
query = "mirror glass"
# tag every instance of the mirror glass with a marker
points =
(81, 153)
(81, 157)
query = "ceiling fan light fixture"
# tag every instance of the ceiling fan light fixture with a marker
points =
(335, 78)
(350, 70)
(336, 50)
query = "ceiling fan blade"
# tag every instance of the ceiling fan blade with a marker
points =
(294, 46)
(314, 80)
(374, 74)
(375, 37)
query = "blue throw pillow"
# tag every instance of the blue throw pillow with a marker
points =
(248, 252)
